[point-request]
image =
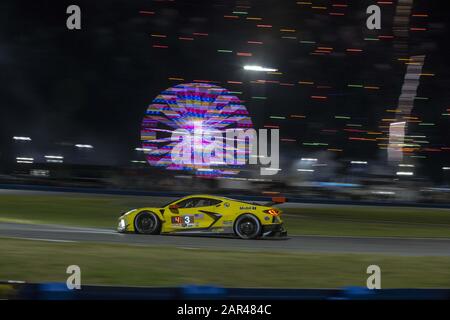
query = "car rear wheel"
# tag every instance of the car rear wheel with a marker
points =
(247, 226)
(147, 222)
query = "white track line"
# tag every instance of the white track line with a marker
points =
(47, 240)
(62, 230)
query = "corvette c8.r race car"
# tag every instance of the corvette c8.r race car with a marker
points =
(205, 214)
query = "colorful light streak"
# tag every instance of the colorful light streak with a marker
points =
(184, 106)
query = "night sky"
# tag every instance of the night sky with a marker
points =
(336, 78)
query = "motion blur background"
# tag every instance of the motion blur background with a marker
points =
(73, 101)
(363, 116)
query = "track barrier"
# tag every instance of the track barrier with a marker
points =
(59, 291)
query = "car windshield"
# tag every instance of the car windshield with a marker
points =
(169, 203)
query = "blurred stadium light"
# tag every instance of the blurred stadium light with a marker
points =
(24, 160)
(405, 173)
(21, 138)
(85, 146)
(143, 149)
(259, 68)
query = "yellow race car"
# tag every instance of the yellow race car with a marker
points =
(207, 214)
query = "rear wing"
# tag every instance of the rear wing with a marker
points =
(276, 200)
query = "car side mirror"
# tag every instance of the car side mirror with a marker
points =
(173, 207)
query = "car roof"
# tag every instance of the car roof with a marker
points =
(206, 196)
(218, 198)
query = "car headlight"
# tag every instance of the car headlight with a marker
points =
(122, 225)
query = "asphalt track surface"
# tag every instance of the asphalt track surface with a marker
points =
(368, 245)
(323, 244)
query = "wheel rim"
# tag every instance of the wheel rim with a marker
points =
(145, 223)
(247, 228)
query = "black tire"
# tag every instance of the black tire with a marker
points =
(147, 222)
(247, 226)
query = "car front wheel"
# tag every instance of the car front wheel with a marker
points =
(247, 226)
(147, 222)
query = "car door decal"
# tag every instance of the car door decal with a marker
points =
(191, 220)
(185, 221)
(213, 215)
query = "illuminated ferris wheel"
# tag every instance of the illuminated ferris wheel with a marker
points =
(184, 107)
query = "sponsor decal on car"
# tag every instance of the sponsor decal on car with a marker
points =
(177, 220)
(184, 221)
(247, 208)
